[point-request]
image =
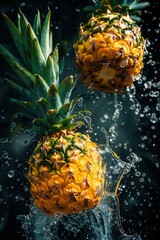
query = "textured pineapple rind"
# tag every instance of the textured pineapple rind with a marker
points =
(110, 52)
(66, 173)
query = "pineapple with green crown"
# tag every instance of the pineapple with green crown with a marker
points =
(66, 172)
(110, 47)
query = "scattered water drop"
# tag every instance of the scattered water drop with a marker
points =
(11, 174)
(5, 155)
(154, 118)
(158, 106)
(4, 140)
(154, 93)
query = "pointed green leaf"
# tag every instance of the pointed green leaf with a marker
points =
(15, 33)
(23, 91)
(56, 62)
(45, 35)
(52, 112)
(49, 72)
(26, 77)
(51, 42)
(27, 36)
(41, 122)
(53, 116)
(53, 97)
(65, 88)
(65, 110)
(29, 106)
(41, 86)
(9, 57)
(44, 103)
(38, 61)
(23, 26)
(57, 127)
(37, 25)
(22, 115)
(67, 120)
(74, 125)
(18, 23)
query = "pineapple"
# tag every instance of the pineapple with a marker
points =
(110, 48)
(66, 171)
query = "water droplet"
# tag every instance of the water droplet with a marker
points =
(148, 85)
(141, 179)
(13, 124)
(77, 9)
(119, 107)
(3, 140)
(11, 174)
(22, 4)
(153, 118)
(5, 155)
(26, 141)
(158, 106)
(137, 174)
(154, 93)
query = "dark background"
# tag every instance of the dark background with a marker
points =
(140, 198)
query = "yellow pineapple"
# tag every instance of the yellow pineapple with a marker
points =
(66, 172)
(110, 48)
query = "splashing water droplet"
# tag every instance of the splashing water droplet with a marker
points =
(11, 174)
(154, 118)
(4, 140)
(158, 106)
(89, 122)
(154, 93)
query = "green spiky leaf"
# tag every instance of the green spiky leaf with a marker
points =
(15, 64)
(65, 88)
(40, 85)
(45, 36)
(23, 91)
(54, 97)
(37, 59)
(37, 74)
(37, 25)
(49, 72)
(15, 33)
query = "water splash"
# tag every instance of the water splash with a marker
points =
(100, 223)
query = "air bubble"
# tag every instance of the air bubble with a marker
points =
(22, 4)
(11, 174)
(13, 124)
(26, 141)
(141, 179)
(148, 85)
(154, 93)
(3, 140)
(77, 10)
(137, 174)
(154, 118)
(5, 155)
(158, 106)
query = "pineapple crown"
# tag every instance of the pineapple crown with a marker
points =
(47, 102)
(131, 7)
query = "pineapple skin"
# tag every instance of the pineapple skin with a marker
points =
(109, 52)
(66, 173)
